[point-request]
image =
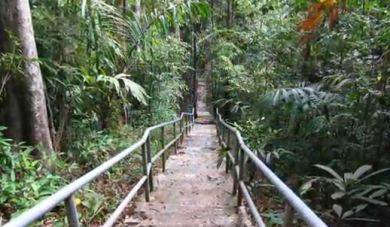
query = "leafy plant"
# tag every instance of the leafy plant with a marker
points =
(23, 181)
(351, 194)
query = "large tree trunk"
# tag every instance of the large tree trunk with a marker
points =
(16, 18)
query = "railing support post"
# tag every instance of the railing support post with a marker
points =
(193, 120)
(162, 141)
(184, 125)
(222, 132)
(228, 138)
(240, 176)
(174, 137)
(145, 170)
(219, 132)
(71, 211)
(149, 158)
(228, 161)
(236, 162)
(227, 164)
(181, 130)
(187, 125)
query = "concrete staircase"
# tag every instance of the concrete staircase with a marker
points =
(192, 191)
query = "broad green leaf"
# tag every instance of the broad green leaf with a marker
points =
(307, 186)
(361, 170)
(372, 201)
(337, 195)
(330, 171)
(337, 209)
(374, 173)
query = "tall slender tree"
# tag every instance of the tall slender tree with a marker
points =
(27, 116)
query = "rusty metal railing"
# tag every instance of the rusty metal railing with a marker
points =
(229, 137)
(65, 194)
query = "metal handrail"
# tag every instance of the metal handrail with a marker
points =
(65, 194)
(241, 150)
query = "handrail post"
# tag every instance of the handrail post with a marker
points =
(219, 131)
(71, 211)
(189, 123)
(145, 170)
(235, 163)
(227, 164)
(181, 130)
(193, 119)
(228, 138)
(227, 153)
(149, 158)
(162, 147)
(186, 124)
(174, 137)
(240, 176)
(223, 132)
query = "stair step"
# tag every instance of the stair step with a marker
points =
(192, 191)
(172, 214)
(179, 207)
(180, 223)
(188, 178)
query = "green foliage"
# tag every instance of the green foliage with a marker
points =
(351, 194)
(93, 203)
(298, 102)
(323, 100)
(23, 181)
(108, 75)
(273, 218)
(123, 86)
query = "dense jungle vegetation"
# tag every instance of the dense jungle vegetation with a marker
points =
(306, 81)
(308, 84)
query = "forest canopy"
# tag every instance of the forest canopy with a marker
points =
(305, 81)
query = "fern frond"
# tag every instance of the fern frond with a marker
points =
(309, 95)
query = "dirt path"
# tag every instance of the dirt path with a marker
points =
(192, 191)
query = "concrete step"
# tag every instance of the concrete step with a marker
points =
(205, 120)
(192, 191)
(155, 207)
(182, 223)
(169, 214)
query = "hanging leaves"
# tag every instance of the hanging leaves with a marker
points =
(315, 18)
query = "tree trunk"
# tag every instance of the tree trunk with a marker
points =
(30, 85)
(137, 9)
(194, 65)
(230, 13)
(125, 7)
(208, 51)
(177, 29)
(210, 60)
